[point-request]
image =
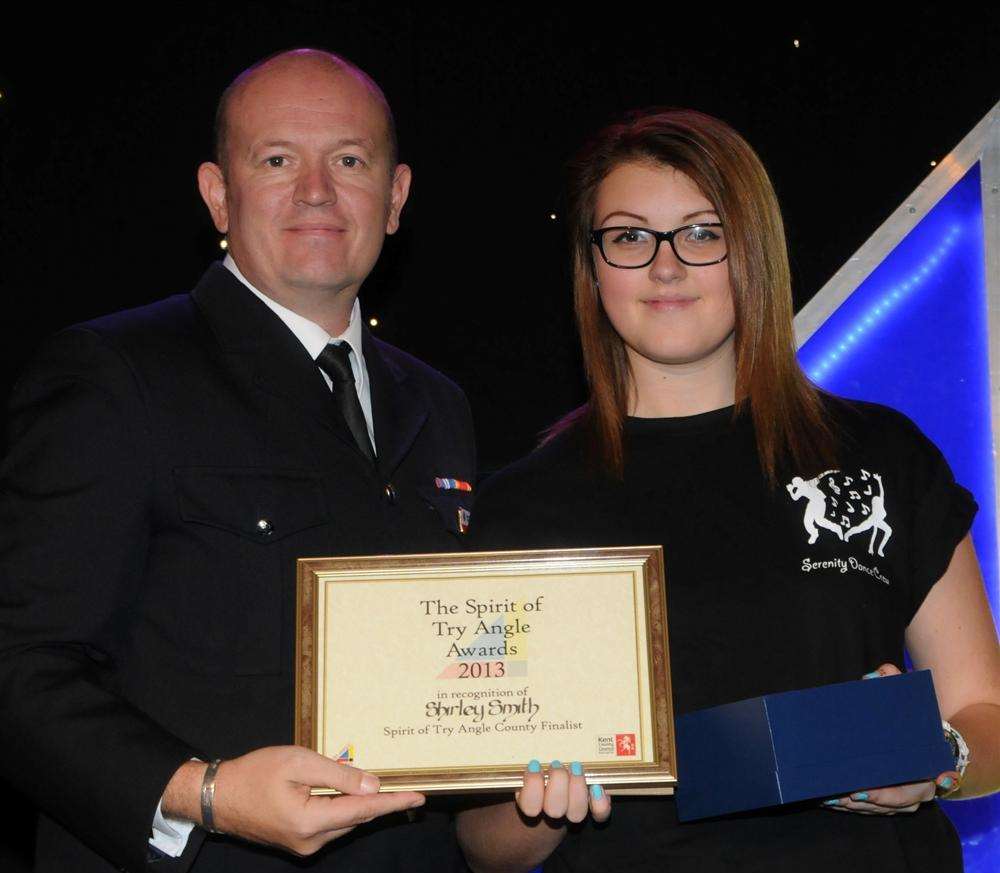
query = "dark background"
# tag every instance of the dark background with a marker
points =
(105, 116)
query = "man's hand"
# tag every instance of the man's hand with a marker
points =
(263, 796)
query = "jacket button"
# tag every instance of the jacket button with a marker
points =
(264, 527)
(390, 492)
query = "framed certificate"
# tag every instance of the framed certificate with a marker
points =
(448, 673)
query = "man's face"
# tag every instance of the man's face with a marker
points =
(309, 192)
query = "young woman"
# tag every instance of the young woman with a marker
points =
(702, 433)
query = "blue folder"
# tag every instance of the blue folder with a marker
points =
(812, 744)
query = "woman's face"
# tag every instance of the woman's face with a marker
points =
(667, 313)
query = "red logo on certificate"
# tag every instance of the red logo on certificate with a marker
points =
(625, 745)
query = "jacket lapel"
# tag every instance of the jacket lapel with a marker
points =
(399, 409)
(259, 346)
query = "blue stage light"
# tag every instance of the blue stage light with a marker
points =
(914, 335)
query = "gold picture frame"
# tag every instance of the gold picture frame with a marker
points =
(542, 654)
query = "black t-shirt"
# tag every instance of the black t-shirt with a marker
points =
(768, 590)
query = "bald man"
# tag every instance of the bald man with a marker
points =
(169, 464)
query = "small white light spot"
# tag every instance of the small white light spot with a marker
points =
(223, 244)
(373, 321)
(552, 215)
(795, 43)
(933, 163)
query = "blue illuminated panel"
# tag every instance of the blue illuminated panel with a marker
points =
(914, 335)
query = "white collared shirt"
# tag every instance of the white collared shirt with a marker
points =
(170, 835)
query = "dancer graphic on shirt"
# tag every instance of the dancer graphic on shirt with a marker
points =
(875, 522)
(815, 514)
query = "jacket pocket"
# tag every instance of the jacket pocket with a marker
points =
(262, 505)
(240, 541)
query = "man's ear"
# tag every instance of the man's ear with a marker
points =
(400, 191)
(212, 185)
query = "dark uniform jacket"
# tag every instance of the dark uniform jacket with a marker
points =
(167, 466)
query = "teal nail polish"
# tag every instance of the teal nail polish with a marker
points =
(576, 768)
(596, 792)
(947, 782)
(873, 675)
(534, 766)
(860, 795)
(555, 764)
(833, 802)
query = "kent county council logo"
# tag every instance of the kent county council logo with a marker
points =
(621, 745)
(625, 745)
(345, 755)
(844, 505)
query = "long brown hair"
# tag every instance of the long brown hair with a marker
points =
(788, 415)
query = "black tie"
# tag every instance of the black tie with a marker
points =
(335, 361)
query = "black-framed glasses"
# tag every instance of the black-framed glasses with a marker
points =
(630, 248)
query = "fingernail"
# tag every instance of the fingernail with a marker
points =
(369, 784)
(534, 766)
(873, 675)
(832, 802)
(418, 802)
(859, 795)
(555, 764)
(596, 791)
(576, 768)
(947, 782)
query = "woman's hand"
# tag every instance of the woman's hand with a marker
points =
(898, 798)
(564, 795)
(509, 837)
